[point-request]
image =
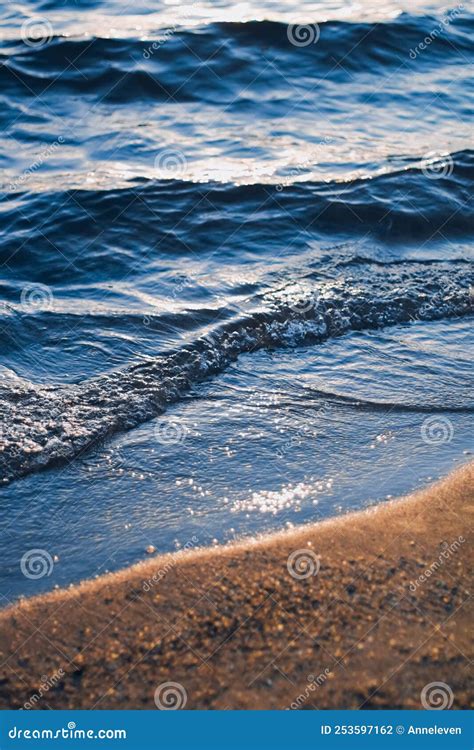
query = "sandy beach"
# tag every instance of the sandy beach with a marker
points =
(362, 611)
(236, 382)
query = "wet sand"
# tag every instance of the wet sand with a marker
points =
(333, 615)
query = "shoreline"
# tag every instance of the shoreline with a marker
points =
(339, 614)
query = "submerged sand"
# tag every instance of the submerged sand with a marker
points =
(362, 611)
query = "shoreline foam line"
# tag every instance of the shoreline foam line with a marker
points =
(84, 414)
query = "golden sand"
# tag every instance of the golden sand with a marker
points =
(361, 611)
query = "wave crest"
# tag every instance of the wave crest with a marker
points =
(83, 414)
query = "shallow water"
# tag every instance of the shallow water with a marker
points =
(236, 270)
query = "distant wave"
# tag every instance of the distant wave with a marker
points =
(124, 237)
(398, 205)
(50, 425)
(184, 63)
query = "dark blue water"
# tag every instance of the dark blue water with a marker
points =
(236, 270)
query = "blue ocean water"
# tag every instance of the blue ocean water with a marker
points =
(236, 269)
